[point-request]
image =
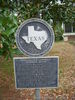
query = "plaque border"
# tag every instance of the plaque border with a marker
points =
(36, 87)
(40, 21)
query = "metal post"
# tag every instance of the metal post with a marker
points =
(37, 94)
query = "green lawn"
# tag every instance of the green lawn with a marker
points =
(7, 67)
(66, 53)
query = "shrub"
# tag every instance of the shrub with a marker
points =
(58, 32)
(8, 26)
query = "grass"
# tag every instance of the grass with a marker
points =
(7, 67)
(72, 42)
(66, 53)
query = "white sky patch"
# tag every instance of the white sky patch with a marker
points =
(15, 14)
(59, 1)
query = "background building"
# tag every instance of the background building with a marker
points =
(69, 31)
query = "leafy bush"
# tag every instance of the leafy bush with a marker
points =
(58, 32)
(8, 26)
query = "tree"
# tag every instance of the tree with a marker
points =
(50, 9)
(13, 12)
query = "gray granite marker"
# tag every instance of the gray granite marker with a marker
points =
(34, 37)
(36, 72)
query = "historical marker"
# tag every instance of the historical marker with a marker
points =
(35, 37)
(36, 72)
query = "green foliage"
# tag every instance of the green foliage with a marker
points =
(50, 9)
(58, 32)
(25, 9)
(8, 26)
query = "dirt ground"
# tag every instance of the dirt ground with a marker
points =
(66, 89)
